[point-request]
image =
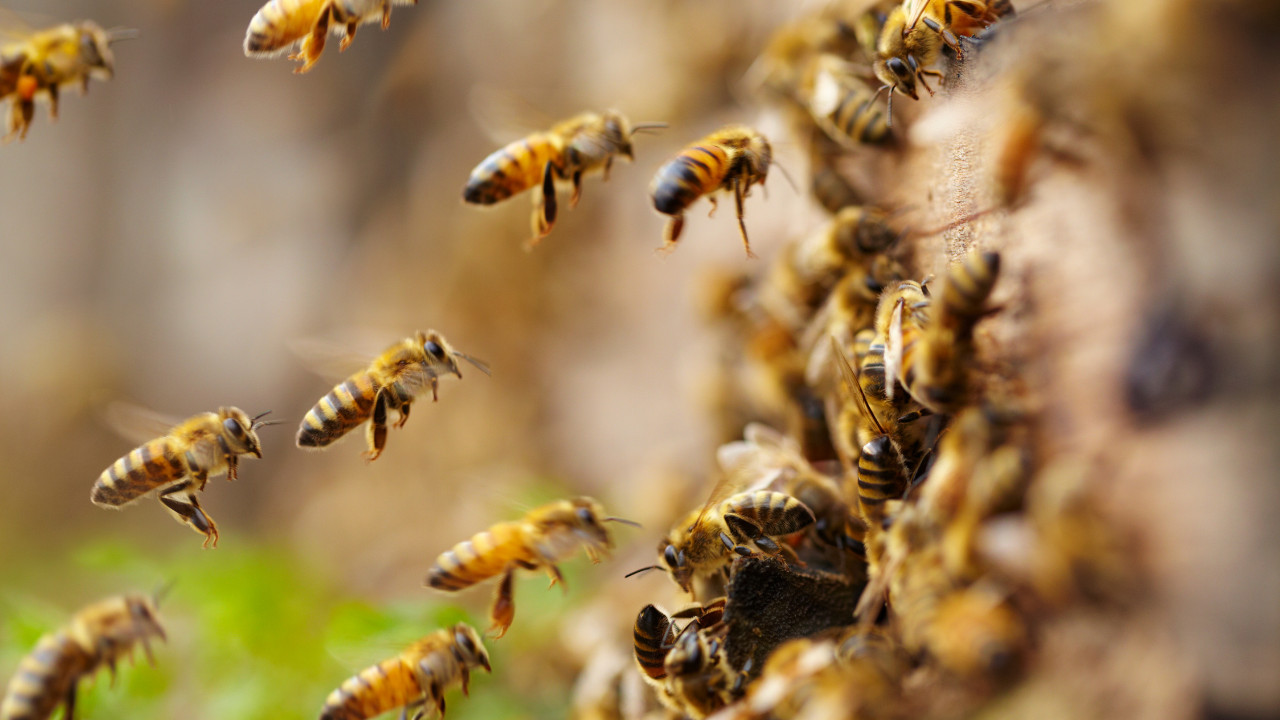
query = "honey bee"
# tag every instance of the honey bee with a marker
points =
(844, 106)
(699, 679)
(731, 159)
(826, 184)
(391, 382)
(280, 25)
(180, 464)
(547, 535)
(98, 635)
(411, 679)
(655, 634)
(567, 151)
(707, 540)
(39, 62)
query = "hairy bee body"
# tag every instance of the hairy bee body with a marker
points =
(413, 678)
(45, 60)
(546, 536)
(98, 635)
(731, 159)
(181, 462)
(844, 106)
(391, 382)
(280, 25)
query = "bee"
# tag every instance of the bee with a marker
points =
(975, 631)
(844, 106)
(655, 634)
(707, 540)
(826, 184)
(547, 535)
(98, 635)
(411, 679)
(391, 382)
(40, 62)
(180, 464)
(567, 151)
(699, 678)
(280, 25)
(731, 159)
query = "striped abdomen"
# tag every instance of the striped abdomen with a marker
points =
(141, 471)
(969, 284)
(652, 641)
(512, 169)
(344, 408)
(774, 513)
(913, 340)
(280, 24)
(882, 475)
(485, 555)
(696, 171)
(388, 685)
(850, 109)
(44, 677)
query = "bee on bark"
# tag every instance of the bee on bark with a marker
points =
(540, 540)
(180, 463)
(731, 159)
(412, 679)
(566, 152)
(281, 25)
(100, 634)
(391, 382)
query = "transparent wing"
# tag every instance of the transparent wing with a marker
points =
(330, 359)
(15, 27)
(503, 116)
(914, 10)
(137, 424)
(893, 351)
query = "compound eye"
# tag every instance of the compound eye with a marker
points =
(586, 517)
(89, 49)
(233, 426)
(465, 641)
(899, 68)
(873, 284)
(669, 555)
(434, 349)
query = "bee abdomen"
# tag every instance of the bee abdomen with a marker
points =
(881, 475)
(278, 25)
(485, 555)
(858, 118)
(43, 677)
(509, 171)
(373, 691)
(776, 513)
(345, 407)
(969, 283)
(134, 475)
(650, 634)
(690, 175)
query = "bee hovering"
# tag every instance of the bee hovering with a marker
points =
(180, 463)
(100, 634)
(283, 24)
(569, 150)
(391, 382)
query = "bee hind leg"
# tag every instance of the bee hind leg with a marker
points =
(313, 43)
(738, 195)
(69, 702)
(671, 235)
(715, 205)
(404, 415)
(544, 208)
(190, 512)
(53, 102)
(386, 14)
(377, 432)
(577, 190)
(557, 578)
(350, 36)
(503, 610)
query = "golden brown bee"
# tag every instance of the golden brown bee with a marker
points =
(567, 151)
(699, 679)
(391, 382)
(411, 679)
(98, 635)
(547, 535)
(40, 62)
(181, 462)
(655, 634)
(731, 159)
(844, 106)
(282, 24)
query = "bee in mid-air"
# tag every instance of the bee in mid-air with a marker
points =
(566, 152)
(391, 382)
(40, 62)
(731, 159)
(282, 24)
(100, 634)
(415, 677)
(547, 535)
(181, 463)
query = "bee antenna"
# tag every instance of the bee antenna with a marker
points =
(647, 127)
(851, 378)
(480, 364)
(259, 416)
(256, 422)
(641, 570)
(790, 180)
(624, 521)
(122, 33)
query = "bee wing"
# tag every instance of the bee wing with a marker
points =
(330, 360)
(137, 424)
(15, 27)
(893, 351)
(914, 10)
(727, 485)
(503, 116)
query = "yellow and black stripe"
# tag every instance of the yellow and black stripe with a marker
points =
(141, 471)
(513, 169)
(696, 171)
(882, 476)
(44, 678)
(487, 554)
(774, 513)
(280, 24)
(652, 641)
(337, 413)
(964, 294)
(388, 685)
(857, 116)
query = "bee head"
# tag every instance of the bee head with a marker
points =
(688, 655)
(676, 564)
(95, 48)
(617, 133)
(144, 616)
(436, 353)
(758, 155)
(239, 431)
(470, 648)
(588, 521)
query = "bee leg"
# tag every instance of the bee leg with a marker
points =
(715, 205)
(608, 165)
(377, 433)
(404, 415)
(313, 44)
(53, 102)
(422, 711)
(556, 578)
(350, 36)
(69, 701)
(386, 14)
(577, 190)
(504, 604)
(738, 195)
(418, 704)
(934, 73)
(544, 208)
(466, 681)
(435, 387)
(190, 512)
(439, 700)
(233, 461)
(671, 235)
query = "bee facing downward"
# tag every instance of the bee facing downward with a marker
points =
(411, 679)
(391, 382)
(98, 635)
(567, 151)
(181, 462)
(731, 159)
(282, 24)
(544, 537)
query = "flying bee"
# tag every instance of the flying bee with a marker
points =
(411, 679)
(180, 463)
(844, 106)
(391, 382)
(731, 159)
(705, 542)
(100, 634)
(547, 535)
(40, 62)
(567, 151)
(280, 25)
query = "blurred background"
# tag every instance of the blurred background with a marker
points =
(180, 228)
